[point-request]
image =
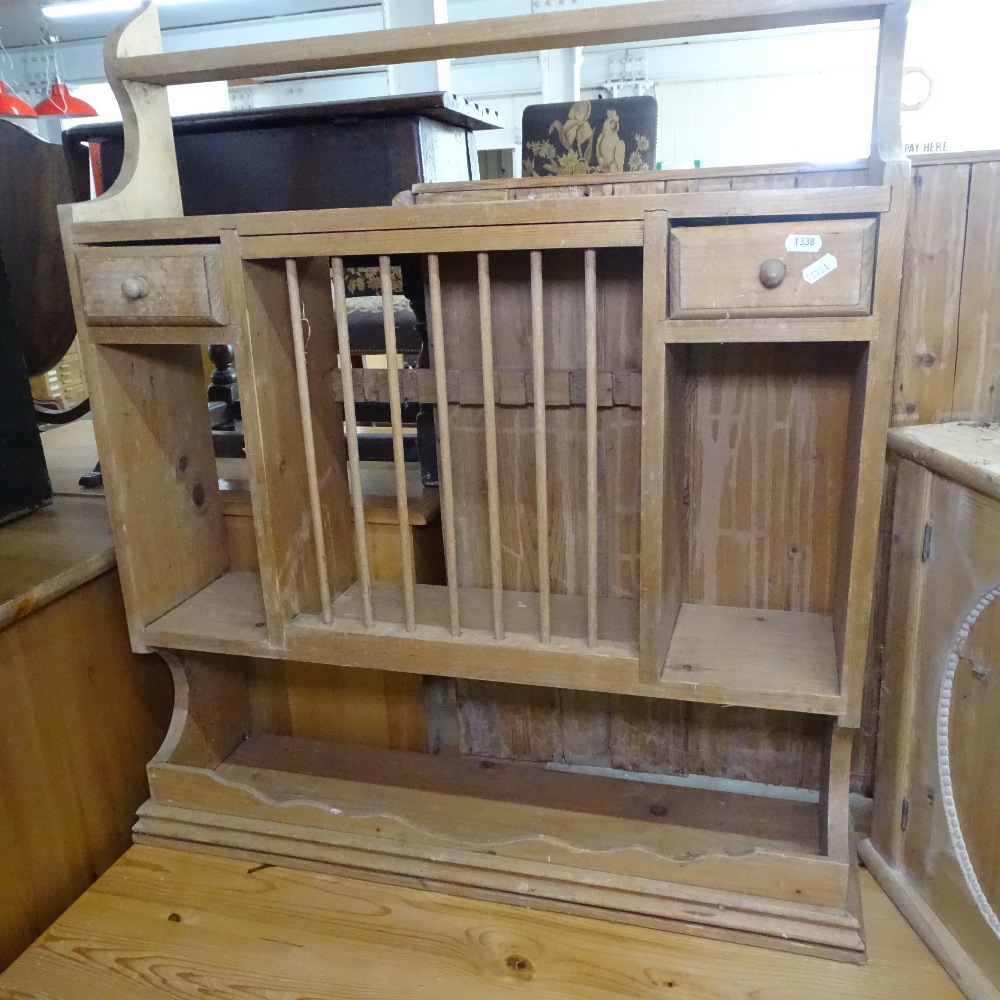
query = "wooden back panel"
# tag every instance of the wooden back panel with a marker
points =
(619, 343)
(764, 477)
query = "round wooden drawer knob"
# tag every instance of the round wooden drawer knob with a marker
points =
(135, 288)
(772, 273)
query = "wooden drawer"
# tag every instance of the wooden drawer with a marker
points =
(153, 286)
(759, 269)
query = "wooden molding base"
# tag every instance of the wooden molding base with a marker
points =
(839, 940)
(503, 833)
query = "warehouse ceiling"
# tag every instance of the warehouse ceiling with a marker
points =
(22, 23)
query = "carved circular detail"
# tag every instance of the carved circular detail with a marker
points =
(959, 846)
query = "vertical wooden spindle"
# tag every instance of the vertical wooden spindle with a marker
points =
(444, 458)
(398, 460)
(590, 310)
(305, 416)
(351, 430)
(490, 422)
(541, 462)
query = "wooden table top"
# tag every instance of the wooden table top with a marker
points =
(50, 552)
(64, 545)
(172, 924)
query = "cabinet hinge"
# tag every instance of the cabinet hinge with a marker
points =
(904, 815)
(925, 552)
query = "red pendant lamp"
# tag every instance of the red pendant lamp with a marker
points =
(61, 103)
(11, 106)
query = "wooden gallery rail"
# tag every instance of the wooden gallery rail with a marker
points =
(581, 328)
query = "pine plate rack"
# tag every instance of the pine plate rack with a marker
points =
(568, 337)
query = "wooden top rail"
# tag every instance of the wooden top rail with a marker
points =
(660, 19)
(368, 222)
(661, 176)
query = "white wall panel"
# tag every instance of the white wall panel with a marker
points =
(822, 117)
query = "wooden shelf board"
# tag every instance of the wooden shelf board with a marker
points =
(793, 328)
(618, 618)
(785, 656)
(645, 177)
(443, 240)
(52, 551)
(759, 659)
(715, 820)
(226, 617)
(632, 22)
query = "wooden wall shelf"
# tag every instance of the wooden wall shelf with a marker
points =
(588, 355)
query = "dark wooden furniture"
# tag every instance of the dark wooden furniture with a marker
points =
(35, 179)
(24, 482)
(346, 154)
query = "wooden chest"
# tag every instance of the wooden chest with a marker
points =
(935, 846)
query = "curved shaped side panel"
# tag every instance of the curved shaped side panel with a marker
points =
(211, 709)
(147, 187)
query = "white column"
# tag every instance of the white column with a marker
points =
(417, 78)
(560, 74)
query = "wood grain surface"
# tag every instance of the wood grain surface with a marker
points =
(80, 715)
(164, 923)
(977, 360)
(171, 287)
(927, 339)
(51, 552)
(936, 578)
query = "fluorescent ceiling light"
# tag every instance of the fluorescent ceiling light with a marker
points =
(83, 8)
